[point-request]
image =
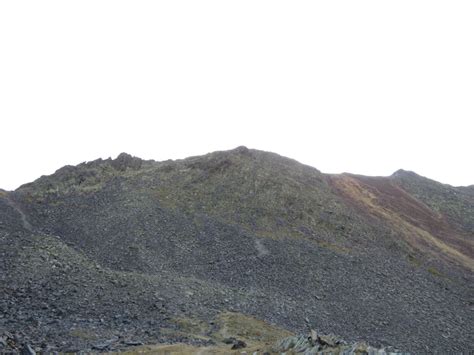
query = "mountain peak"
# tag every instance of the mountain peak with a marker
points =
(404, 173)
(241, 149)
(125, 160)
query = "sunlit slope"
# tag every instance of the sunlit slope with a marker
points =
(430, 223)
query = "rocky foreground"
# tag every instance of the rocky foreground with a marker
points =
(114, 254)
(232, 333)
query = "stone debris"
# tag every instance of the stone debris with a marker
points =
(130, 248)
(313, 344)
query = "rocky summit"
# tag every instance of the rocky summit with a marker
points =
(237, 250)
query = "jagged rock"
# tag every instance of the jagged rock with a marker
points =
(106, 344)
(3, 341)
(133, 342)
(238, 344)
(326, 344)
(124, 161)
(328, 341)
(28, 350)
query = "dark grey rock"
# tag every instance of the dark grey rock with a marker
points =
(103, 345)
(238, 344)
(3, 341)
(28, 350)
(133, 342)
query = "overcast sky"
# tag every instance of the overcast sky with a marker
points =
(361, 86)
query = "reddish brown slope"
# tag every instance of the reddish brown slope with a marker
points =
(422, 228)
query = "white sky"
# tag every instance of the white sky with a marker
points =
(362, 86)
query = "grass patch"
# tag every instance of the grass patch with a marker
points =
(414, 261)
(84, 334)
(248, 328)
(258, 335)
(435, 272)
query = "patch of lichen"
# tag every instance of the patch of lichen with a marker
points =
(415, 261)
(435, 272)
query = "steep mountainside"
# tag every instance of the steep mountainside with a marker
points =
(431, 218)
(116, 252)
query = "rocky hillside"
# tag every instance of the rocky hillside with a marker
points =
(110, 254)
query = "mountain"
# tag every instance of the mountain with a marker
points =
(118, 252)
